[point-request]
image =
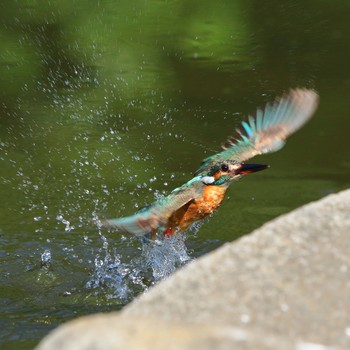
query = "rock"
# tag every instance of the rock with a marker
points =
(285, 286)
(115, 332)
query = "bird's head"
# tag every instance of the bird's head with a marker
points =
(223, 173)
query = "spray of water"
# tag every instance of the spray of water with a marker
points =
(117, 276)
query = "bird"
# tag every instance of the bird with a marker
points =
(262, 133)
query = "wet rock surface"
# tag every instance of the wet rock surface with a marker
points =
(285, 286)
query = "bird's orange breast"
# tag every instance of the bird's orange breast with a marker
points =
(197, 209)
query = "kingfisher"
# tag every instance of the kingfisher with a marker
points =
(262, 133)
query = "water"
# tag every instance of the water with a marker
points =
(105, 107)
(116, 276)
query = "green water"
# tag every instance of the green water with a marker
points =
(104, 105)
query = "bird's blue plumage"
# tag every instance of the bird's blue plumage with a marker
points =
(267, 131)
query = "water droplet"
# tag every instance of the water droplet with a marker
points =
(46, 257)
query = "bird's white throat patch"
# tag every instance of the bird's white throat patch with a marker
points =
(208, 180)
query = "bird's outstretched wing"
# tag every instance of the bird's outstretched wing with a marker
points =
(158, 213)
(267, 130)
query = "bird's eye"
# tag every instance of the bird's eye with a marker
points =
(224, 167)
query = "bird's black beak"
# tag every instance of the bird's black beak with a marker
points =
(251, 168)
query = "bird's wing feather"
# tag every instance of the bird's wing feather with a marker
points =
(159, 212)
(267, 130)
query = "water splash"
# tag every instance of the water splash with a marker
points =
(68, 226)
(117, 276)
(111, 277)
(45, 258)
(164, 256)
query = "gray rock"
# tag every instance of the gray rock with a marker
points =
(285, 286)
(115, 332)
